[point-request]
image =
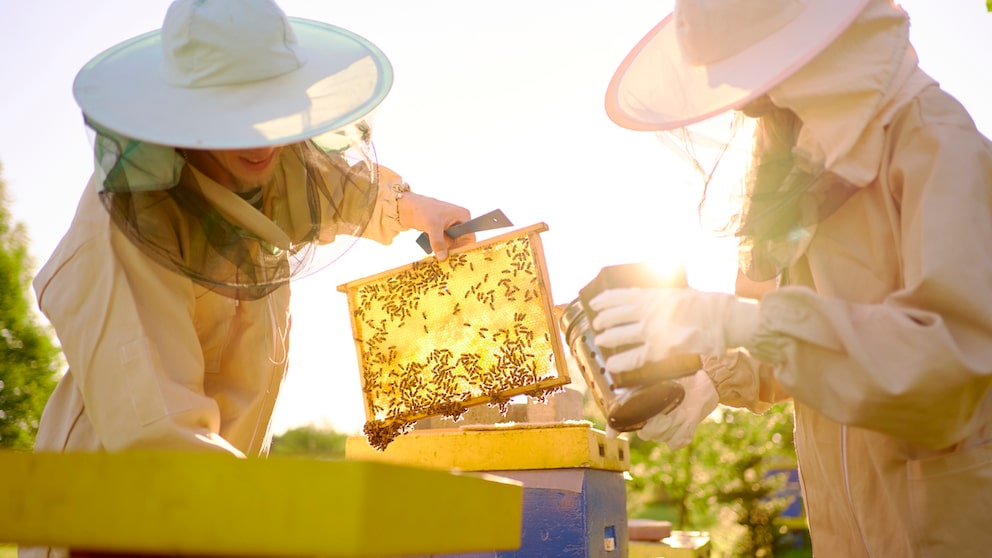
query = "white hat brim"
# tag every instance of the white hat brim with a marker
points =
(343, 78)
(656, 89)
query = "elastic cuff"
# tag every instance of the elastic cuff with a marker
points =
(391, 206)
(740, 323)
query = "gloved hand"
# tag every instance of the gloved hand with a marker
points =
(662, 322)
(678, 427)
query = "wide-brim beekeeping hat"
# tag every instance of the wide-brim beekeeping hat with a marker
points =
(708, 57)
(230, 74)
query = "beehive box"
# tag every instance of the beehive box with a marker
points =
(167, 503)
(437, 337)
(502, 447)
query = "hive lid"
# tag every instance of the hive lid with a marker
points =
(502, 447)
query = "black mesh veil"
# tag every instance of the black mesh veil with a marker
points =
(756, 185)
(314, 207)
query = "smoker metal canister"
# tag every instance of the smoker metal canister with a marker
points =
(630, 398)
(626, 408)
(579, 338)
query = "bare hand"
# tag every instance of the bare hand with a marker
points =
(433, 216)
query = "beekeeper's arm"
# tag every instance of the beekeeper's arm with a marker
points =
(735, 379)
(916, 366)
(126, 328)
(397, 209)
(400, 209)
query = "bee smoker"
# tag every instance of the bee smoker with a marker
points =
(627, 399)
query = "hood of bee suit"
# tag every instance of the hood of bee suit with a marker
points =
(848, 94)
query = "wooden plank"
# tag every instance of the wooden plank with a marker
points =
(209, 504)
(535, 228)
(502, 447)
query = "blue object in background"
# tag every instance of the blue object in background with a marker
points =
(794, 512)
(568, 513)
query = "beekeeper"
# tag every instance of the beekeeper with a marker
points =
(869, 200)
(232, 155)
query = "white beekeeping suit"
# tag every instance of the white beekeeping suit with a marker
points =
(881, 327)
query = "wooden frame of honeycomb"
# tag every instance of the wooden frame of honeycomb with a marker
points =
(435, 338)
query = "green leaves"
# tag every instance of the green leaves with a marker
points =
(724, 482)
(310, 441)
(29, 359)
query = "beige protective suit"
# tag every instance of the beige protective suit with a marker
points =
(155, 359)
(882, 332)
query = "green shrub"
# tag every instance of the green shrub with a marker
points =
(727, 481)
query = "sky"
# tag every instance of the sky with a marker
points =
(494, 105)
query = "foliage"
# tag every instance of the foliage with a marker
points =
(723, 482)
(309, 441)
(29, 358)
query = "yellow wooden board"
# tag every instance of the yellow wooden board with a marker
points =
(209, 504)
(434, 338)
(502, 448)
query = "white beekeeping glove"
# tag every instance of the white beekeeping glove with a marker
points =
(678, 427)
(663, 322)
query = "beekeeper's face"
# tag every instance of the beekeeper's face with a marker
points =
(238, 169)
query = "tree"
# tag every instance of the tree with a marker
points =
(29, 359)
(728, 480)
(310, 441)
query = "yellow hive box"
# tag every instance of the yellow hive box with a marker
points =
(502, 448)
(435, 338)
(167, 503)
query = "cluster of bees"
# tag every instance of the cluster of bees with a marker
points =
(437, 337)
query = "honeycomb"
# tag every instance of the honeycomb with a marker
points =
(437, 337)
